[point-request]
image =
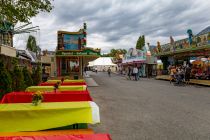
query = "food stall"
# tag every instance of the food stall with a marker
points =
(181, 51)
(72, 55)
(135, 57)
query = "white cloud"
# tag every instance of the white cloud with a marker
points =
(118, 23)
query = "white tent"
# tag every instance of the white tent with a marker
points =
(102, 63)
(90, 64)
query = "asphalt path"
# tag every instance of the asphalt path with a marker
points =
(150, 109)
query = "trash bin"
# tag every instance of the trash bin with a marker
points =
(76, 77)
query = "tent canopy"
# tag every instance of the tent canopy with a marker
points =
(102, 61)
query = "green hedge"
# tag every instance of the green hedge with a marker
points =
(5, 80)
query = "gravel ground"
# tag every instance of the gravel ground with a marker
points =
(151, 109)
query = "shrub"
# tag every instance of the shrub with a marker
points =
(18, 79)
(37, 75)
(27, 77)
(5, 80)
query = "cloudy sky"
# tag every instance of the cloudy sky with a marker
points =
(118, 23)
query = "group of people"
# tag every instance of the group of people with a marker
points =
(133, 73)
(180, 73)
(108, 70)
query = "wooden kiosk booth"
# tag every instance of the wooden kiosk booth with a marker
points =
(72, 55)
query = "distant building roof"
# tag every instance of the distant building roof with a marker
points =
(204, 31)
(51, 52)
(27, 54)
(32, 55)
(23, 55)
(46, 52)
(73, 33)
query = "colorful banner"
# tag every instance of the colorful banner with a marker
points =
(199, 42)
(71, 42)
(134, 56)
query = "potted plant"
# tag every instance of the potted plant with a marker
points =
(37, 98)
(56, 86)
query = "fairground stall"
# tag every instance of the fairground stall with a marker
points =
(72, 55)
(185, 51)
(135, 57)
(151, 65)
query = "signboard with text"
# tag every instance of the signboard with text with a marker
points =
(78, 53)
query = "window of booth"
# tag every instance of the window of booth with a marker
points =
(74, 65)
(70, 66)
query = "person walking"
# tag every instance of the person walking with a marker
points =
(109, 72)
(139, 73)
(135, 73)
(85, 69)
(172, 73)
(187, 74)
(96, 69)
(129, 72)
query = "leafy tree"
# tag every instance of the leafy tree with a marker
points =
(143, 41)
(18, 79)
(124, 51)
(140, 42)
(22, 10)
(5, 81)
(27, 77)
(37, 75)
(31, 44)
(115, 53)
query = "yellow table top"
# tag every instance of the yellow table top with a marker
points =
(73, 81)
(26, 117)
(61, 88)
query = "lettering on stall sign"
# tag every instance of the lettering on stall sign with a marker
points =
(93, 53)
(81, 53)
(67, 53)
(78, 53)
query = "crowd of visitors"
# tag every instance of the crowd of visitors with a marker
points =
(182, 73)
(133, 73)
(179, 73)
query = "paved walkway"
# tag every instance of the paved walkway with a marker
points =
(91, 82)
(151, 109)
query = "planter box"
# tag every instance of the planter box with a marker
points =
(8, 51)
